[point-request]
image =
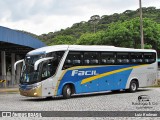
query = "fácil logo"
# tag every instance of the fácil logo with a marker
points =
(144, 102)
(84, 73)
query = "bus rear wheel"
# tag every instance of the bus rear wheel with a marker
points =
(133, 86)
(67, 92)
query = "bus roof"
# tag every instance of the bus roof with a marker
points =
(85, 48)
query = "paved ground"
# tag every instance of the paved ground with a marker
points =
(8, 90)
(108, 101)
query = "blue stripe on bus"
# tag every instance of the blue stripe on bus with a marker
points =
(110, 82)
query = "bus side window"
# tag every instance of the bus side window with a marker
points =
(107, 58)
(91, 58)
(123, 58)
(73, 59)
(56, 56)
(86, 62)
(60, 55)
(149, 57)
(47, 70)
(49, 67)
(158, 64)
(136, 58)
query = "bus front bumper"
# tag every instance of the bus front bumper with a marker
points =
(34, 92)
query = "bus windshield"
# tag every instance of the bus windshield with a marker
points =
(29, 75)
(45, 69)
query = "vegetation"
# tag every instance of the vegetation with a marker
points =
(121, 30)
(125, 34)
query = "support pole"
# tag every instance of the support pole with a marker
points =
(141, 25)
(12, 68)
(3, 65)
(18, 71)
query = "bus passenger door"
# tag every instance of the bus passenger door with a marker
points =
(48, 70)
(47, 89)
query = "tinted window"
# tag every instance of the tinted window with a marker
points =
(158, 64)
(50, 66)
(48, 69)
(57, 55)
(149, 57)
(73, 59)
(136, 57)
(107, 58)
(123, 58)
(91, 58)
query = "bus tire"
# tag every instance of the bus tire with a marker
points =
(67, 92)
(133, 86)
(49, 97)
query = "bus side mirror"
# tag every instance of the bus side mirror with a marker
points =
(41, 60)
(19, 61)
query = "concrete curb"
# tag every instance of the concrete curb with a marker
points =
(9, 90)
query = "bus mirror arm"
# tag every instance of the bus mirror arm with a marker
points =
(41, 60)
(19, 61)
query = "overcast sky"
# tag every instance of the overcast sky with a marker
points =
(43, 16)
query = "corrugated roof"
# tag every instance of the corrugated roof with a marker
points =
(19, 38)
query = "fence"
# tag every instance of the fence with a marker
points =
(9, 81)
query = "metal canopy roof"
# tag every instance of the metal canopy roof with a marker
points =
(19, 38)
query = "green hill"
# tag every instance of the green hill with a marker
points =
(117, 29)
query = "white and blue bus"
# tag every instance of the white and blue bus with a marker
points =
(76, 69)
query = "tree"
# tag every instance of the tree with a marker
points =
(127, 34)
(63, 39)
(94, 20)
(90, 38)
(118, 29)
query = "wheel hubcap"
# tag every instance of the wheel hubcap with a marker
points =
(134, 86)
(68, 91)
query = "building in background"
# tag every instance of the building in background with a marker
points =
(13, 46)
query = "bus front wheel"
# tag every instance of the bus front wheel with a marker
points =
(67, 92)
(133, 86)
